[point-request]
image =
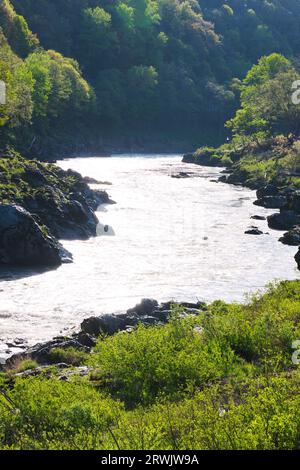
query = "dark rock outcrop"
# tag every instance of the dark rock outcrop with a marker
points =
(24, 242)
(292, 237)
(271, 202)
(285, 220)
(223, 179)
(258, 217)
(293, 201)
(297, 258)
(146, 307)
(267, 190)
(58, 199)
(188, 158)
(108, 324)
(254, 231)
(237, 177)
(41, 353)
(68, 214)
(147, 313)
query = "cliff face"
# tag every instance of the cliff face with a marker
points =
(59, 204)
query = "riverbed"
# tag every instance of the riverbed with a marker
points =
(165, 238)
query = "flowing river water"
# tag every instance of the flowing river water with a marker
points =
(168, 238)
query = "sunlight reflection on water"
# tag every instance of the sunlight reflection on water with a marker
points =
(166, 238)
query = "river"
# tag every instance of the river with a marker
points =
(168, 238)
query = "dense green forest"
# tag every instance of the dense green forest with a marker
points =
(265, 130)
(137, 67)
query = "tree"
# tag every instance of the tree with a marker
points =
(266, 104)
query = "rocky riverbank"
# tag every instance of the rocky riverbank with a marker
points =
(284, 198)
(148, 313)
(40, 204)
(272, 171)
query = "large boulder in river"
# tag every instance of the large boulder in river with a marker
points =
(23, 242)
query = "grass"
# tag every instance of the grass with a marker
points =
(24, 366)
(22, 180)
(276, 160)
(212, 157)
(69, 356)
(223, 379)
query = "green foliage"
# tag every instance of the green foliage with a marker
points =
(210, 156)
(23, 366)
(266, 104)
(16, 30)
(154, 361)
(223, 379)
(69, 356)
(19, 88)
(23, 181)
(197, 50)
(43, 89)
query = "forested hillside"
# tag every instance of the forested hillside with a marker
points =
(127, 74)
(169, 67)
(43, 88)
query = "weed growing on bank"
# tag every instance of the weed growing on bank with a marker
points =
(223, 379)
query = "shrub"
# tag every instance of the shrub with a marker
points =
(223, 379)
(69, 356)
(23, 366)
(139, 366)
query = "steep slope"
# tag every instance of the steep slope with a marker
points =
(164, 67)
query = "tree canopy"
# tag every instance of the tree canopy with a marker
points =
(140, 66)
(266, 100)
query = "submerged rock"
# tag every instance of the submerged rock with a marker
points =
(258, 217)
(183, 174)
(24, 242)
(254, 231)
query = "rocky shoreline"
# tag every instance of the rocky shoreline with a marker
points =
(274, 195)
(40, 205)
(148, 313)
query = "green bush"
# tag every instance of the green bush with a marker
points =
(223, 379)
(69, 356)
(23, 366)
(150, 361)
